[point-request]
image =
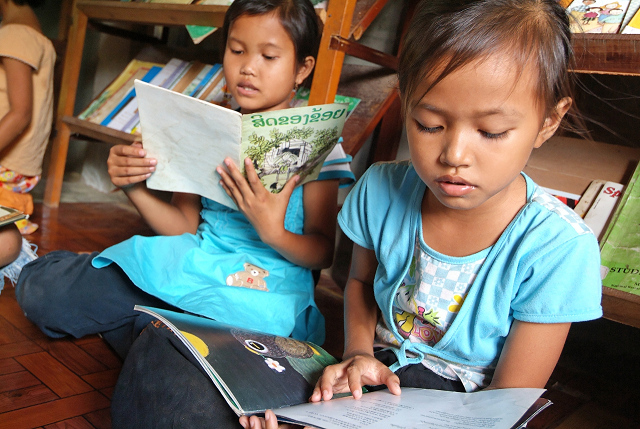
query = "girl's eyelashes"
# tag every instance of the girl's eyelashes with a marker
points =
(430, 130)
(270, 57)
(493, 136)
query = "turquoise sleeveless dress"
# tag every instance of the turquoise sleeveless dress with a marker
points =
(226, 272)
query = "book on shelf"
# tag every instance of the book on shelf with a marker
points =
(599, 16)
(631, 24)
(598, 214)
(116, 91)
(588, 196)
(634, 5)
(194, 137)
(256, 371)
(10, 215)
(116, 106)
(620, 245)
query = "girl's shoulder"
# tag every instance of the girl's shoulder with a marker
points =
(23, 35)
(554, 210)
(390, 171)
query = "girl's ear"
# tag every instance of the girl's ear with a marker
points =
(304, 70)
(552, 122)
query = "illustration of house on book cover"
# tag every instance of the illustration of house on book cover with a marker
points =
(297, 151)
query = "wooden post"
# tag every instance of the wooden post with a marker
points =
(66, 102)
(329, 62)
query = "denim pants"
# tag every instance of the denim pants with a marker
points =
(63, 294)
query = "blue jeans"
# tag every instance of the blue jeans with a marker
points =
(63, 294)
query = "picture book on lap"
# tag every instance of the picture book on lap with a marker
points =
(256, 371)
(253, 371)
(193, 137)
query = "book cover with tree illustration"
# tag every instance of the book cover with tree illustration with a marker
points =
(253, 371)
(191, 137)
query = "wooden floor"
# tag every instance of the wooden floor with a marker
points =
(64, 383)
(68, 383)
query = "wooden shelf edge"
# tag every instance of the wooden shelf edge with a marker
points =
(622, 307)
(98, 132)
(364, 14)
(607, 53)
(153, 13)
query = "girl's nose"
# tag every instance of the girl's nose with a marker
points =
(455, 150)
(247, 68)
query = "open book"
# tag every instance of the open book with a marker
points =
(256, 371)
(190, 138)
(252, 370)
(9, 215)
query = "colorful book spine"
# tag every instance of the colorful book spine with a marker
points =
(130, 95)
(600, 211)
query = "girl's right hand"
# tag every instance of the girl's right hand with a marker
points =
(127, 165)
(351, 375)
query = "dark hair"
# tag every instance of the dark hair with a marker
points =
(298, 17)
(445, 35)
(31, 3)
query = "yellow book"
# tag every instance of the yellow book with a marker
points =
(111, 96)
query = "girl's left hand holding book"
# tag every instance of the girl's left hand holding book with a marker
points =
(265, 211)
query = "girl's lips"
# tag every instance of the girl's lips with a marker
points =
(454, 187)
(246, 89)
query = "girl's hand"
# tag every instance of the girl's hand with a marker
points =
(351, 374)
(263, 209)
(127, 165)
(268, 422)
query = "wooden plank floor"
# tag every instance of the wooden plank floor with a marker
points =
(62, 383)
(67, 383)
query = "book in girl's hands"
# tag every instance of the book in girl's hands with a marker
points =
(620, 245)
(191, 137)
(422, 408)
(256, 372)
(252, 370)
(10, 215)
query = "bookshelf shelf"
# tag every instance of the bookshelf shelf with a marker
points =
(607, 53)
(346, 18)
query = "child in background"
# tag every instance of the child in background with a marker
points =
(270, 48)
(27, 60)
(476, 271)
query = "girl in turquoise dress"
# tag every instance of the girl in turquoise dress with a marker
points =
(250, 268)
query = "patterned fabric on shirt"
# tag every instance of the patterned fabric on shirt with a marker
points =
(427, 302)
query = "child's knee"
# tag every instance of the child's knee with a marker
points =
(10, 244)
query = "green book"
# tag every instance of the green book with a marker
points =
(620, 245)
(192, 137)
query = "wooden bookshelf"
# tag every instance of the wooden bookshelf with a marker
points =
(375, 85)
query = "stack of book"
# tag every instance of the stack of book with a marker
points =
(605, 16)
(116, 106)
(612, 211)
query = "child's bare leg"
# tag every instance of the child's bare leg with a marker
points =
(10, 244)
